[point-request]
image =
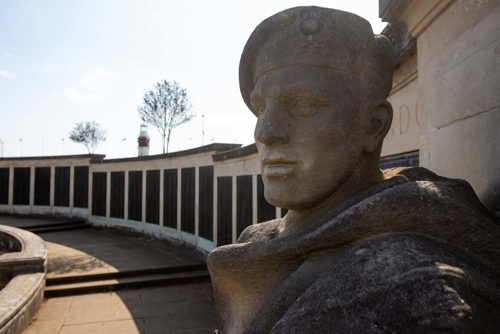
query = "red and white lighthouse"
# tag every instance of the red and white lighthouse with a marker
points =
(143, 140)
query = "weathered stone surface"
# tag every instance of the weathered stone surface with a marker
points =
(359, 251)
(22, 278)
(398, 283)
(415, 235)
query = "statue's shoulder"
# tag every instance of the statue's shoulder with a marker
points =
(398, 283)
(262, 231)
(418, 174)
(422, 174)
(449, 191)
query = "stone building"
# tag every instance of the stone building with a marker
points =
(446, 94)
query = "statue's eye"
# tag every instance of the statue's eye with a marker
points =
(306, 105)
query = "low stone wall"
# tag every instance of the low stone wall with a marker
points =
(202, 197)
(9, 243)
(22, 267)
(175, 236)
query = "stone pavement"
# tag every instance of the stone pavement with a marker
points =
(174, 309)
(93, 251)
(184, 308)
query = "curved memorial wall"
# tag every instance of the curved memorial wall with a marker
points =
(203, 197)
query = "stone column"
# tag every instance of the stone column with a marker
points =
(215, 217)
(162, 190)
(11, 186)
(53, 185)
(71, 187)
(125, 197)
(197, 201)
(108, 194)
(233, 209)
(179, 198)
(32, 186)
(143, 196)
(255, 206)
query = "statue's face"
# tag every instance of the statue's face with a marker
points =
(306, 134)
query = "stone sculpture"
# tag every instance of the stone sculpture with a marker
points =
(360, 250)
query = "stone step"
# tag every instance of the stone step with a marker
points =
(133, 282)
(59, 280)
(59, 228)
(62, 223)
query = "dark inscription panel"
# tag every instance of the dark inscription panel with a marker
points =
(22, 186)
(42, 186)
(243, 202)
(265, 211)
(206, 205)
(153, 196)
(99, 194)
(170, 198)
(224, 210)
(61, 186)
(117, 196)
(4, 186)
(135, 195)
(410, 159)
(81, 187)
(187, 199)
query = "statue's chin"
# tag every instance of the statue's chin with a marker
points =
(285, 199)
(276, 199)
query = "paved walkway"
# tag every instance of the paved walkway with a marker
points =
(186, 308)
(175, 309)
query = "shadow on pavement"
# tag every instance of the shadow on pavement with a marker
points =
(184, 308)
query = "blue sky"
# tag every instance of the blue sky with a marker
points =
(65, 61)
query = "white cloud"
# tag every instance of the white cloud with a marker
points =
(89, 87)
(49, 68)
(75, 95)
(4, 57)
(7, 74)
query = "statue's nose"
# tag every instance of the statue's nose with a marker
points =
(270, 129)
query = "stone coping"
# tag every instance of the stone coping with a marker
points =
(19, 301)
(57, 157)
(239, 152)
(32, 255)
(100, 158)
(202, 149)
(23, 270)
(9, 243)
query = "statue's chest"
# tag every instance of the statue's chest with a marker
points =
(242, 285)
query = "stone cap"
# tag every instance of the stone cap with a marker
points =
(29, 253)
(217, 147)
(236, 153)
(317, 37)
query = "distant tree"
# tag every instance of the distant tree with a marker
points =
(166, 107)
(89, 134)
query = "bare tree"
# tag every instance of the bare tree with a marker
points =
(166, 107)
(89, 134)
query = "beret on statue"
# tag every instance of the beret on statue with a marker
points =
(318, 37)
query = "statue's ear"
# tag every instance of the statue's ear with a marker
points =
(377, 114)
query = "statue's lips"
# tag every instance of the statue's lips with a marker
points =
(277, 168)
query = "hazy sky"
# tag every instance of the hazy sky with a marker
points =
(65, 61)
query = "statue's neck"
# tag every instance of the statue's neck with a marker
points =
(297, 221)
